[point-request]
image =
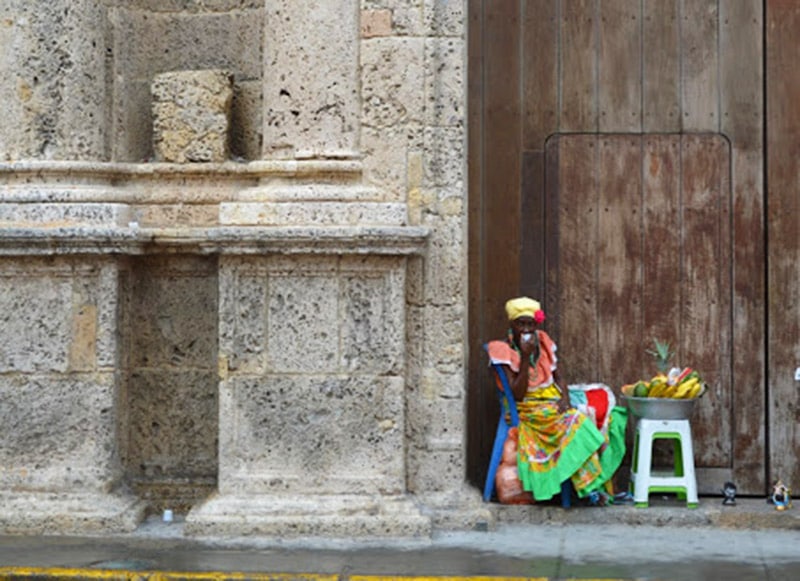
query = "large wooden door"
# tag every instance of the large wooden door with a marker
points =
(617, 174)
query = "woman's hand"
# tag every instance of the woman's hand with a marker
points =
(563, 404)
(527, 343)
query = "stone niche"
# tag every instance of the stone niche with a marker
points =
(168, 395)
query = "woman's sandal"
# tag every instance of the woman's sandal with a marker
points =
(597, 498)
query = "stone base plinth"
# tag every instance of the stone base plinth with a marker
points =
(459, 509)
(342, 516)
(61, 513)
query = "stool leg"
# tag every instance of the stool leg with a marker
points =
(643, 461)
(687, 453)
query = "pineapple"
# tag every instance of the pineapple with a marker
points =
(662, 355)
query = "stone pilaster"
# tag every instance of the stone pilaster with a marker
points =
(312, 399)
(58, 355)
(311, 87)
(54, 84)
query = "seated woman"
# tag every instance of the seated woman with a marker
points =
(557, 442)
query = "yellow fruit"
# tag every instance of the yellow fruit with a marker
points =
(685, 387)
(669, 391)
(695, 391)
(657, 390)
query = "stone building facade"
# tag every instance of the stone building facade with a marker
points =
(233, 266)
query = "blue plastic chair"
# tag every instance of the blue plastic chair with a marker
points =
(502, 433)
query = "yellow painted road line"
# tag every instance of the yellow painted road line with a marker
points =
(45, 574)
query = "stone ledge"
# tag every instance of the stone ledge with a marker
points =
(41, 513)
(376, 240)
(749, 513)
(311, 515)
(172, 183)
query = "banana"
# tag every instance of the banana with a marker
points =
(685, 387)
(695, 391)
(669, 391)
(657, 389)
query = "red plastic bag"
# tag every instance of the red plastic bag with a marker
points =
(507, 482)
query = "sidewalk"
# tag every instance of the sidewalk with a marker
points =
(665, 541)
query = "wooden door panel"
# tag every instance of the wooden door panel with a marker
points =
(641, 250)
(606, 118)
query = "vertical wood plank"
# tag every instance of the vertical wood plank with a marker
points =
(619, 67)
(783, 203)
(578, 241)
(705, 290)
(502, 170)
(661, 166)
(742, 121)
(619, 260)
(699, 65)
(552, 241)
(478, 399)
(661, 99)
(540, 72)
(532, 234)
(578, 52)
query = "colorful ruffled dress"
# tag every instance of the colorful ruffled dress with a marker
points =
(585, 444)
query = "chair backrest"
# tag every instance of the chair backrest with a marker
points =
(507, 395)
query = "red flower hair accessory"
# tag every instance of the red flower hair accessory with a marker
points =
(539, 317)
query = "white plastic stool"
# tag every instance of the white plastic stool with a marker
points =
(682, 481)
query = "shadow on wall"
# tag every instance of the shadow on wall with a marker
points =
(169, 425)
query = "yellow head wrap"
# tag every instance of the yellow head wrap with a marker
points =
(522, 307)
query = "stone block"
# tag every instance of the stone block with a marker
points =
(385, 159)
(445, 81)
(329, 213)
(376, 23)
(445, 264)
(309, 515)
(191, 116)
(444, 152)
(308, 114)
(312, 434)
(406, 16)
(303, 323)
(392, 80)
(57, 316)
(445, 17)
(59, 432)
(435, 471)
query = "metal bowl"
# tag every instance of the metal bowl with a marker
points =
(660, 408)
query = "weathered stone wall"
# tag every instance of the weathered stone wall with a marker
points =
(302, 305)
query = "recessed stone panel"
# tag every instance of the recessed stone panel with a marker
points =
(58, 432)
(35, 323)
(173, 425)
(303, 324)
(173, 315)
(315, 434)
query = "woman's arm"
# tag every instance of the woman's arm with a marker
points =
(563, 403)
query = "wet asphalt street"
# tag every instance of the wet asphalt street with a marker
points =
(558, 551)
